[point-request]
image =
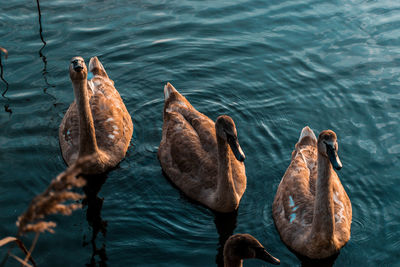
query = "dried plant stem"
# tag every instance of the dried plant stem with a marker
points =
(32, 247)
(9, 239)
(20, 260)
(51, 200)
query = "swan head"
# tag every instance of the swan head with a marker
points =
(226, 129)
(328, 147)
(77, 69)
(245, 246)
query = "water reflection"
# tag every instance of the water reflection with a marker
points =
(307, 262)
(93, 217)
(226, 224)
(7, 109)
(42, 56)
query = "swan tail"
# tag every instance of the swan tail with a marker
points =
(169, 90)
(172, 96)
(96, 68)
(307, 137)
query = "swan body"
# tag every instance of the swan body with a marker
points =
(311, 209)
(245, 246)
(202, 158)
(97, 122)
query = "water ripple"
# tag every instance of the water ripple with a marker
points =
(273, 66)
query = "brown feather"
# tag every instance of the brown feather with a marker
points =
(295, 204)
(112, 123)
(188, 154)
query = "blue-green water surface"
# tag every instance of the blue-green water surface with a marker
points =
(274, 66)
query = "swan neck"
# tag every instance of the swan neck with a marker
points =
(324, 220)
(225, 186)
(87, 135)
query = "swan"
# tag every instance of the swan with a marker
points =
(245, 246)
(311, 209)
(202, 158)
(97, 122)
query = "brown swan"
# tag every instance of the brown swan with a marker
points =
(97, 122)
(202, 158)
(245, 246)
(311, 210)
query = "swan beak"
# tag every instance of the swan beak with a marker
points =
(236, 149)
(262, 254)
(333, 157)
(78, 67)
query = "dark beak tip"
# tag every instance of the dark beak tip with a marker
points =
(269, 258)
(78, 68)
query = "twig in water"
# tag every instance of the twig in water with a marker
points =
(2, 70)
(4, 51)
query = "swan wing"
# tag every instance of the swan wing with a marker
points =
(182, 154)
(69, 134)
(113, 124)
(188, 149)
(294, 200)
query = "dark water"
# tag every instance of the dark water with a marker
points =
(274, 66)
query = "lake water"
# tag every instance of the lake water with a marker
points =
(274, 66)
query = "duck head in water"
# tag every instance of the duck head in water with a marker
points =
(328, 147)
(245, 246)
(226, 130)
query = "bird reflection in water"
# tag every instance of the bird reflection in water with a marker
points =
(307, 262)
(328, 262)
(93, 217)
(226, 224)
